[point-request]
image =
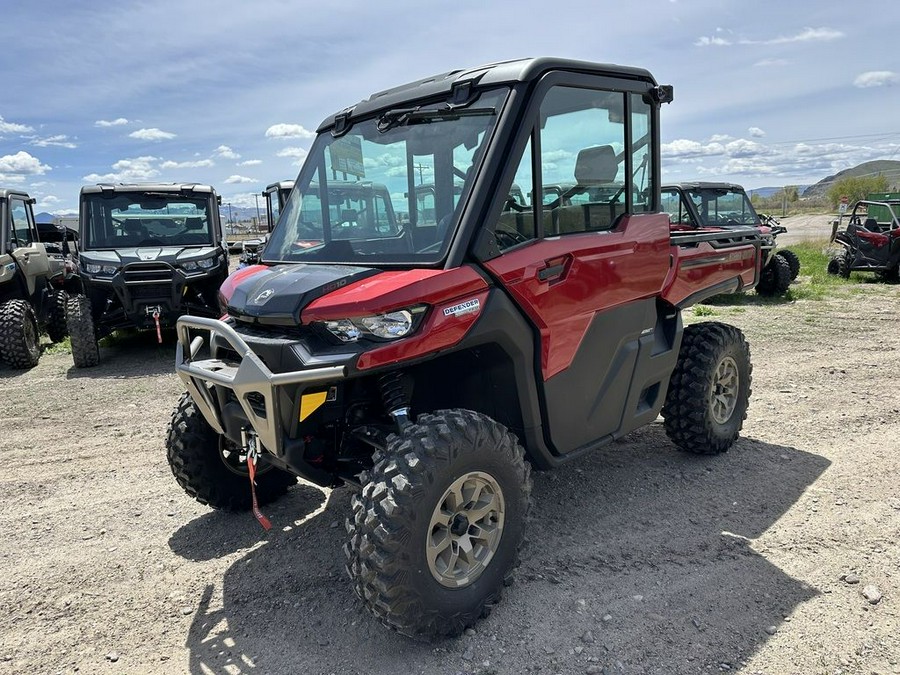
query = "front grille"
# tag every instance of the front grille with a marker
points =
(143, 272)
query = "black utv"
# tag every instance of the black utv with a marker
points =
(149, 253)
(869, 242)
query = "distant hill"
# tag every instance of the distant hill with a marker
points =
(765, 192)
(44, 217)
(890, 168)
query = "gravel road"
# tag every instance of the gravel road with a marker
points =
(780, 556)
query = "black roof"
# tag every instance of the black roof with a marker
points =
(502, 72)
(703, 185)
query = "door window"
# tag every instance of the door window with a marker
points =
(22, 225)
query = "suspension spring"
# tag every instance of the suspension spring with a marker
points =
(394, 397)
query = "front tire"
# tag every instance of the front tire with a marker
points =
(775, 277)
(436, 531)
(793, 261)
(209, 468)
(20, 345)
(840, 265)
(82, 332)
(709, 391)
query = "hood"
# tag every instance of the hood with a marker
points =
(278, 294)
(165, 254)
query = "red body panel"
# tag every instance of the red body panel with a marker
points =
(701, 267)
(599, 270)
(395, 290)
(876, 239)
(441, 289)
(439, 331)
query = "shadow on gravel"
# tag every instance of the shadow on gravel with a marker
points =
(127, 354)
(220, 533)
(638, 558)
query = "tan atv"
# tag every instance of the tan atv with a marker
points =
(36, 281)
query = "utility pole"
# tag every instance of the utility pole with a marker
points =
(258, 218)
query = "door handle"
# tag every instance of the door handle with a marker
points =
(552, 272)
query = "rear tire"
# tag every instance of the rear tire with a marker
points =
(840, 265)
(709, 392)
(792, 260)
(436, 531)
(195, 454)
(82, 333)
(57, 329)
(20, 345)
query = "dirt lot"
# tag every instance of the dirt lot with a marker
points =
(640, 559)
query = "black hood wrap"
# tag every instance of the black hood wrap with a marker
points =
(278, 294)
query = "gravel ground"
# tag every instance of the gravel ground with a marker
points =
(780, 556)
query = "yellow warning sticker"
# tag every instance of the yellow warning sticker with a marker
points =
(309, 403)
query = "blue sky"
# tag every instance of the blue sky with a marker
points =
(766, 93)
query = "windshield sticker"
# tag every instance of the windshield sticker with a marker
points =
(466, 307)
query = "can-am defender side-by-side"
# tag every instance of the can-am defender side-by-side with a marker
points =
(148, 254)
(432, 364)
(698, 204)
(870, 240)
(36, 281)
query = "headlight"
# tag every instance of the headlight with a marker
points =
(388, 326)
(94, 268)
(194, 265)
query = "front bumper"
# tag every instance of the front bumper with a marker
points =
(254, 385)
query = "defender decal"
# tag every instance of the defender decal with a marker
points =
(467, 307)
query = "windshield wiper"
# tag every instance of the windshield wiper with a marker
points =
(403, 116)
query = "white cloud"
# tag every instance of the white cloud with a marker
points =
(771, 62)
(806, 35)
(60, 140)
(151, 134)
(13, 128)
(875, 78)
(48, 202)
(22, 163)
(11, 178)
(226, 153)
(130, 170)
(118, 122)
(250, 162)
(296, 153)
(187, 165)
(289, 131)
(756, 132)
(231, 180)
(711, 42)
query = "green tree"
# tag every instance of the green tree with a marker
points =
(856, 188)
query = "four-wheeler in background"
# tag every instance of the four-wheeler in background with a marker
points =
(696, 204)
(431, 365)
(36, 281)
(870, 241)
(148, 254)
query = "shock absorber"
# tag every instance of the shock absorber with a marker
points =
(394, 398)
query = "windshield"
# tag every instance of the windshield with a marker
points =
(386, 191)
(720, 207)
(125, 220)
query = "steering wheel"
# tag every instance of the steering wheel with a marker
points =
(509, 238)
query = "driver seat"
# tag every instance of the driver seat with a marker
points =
(133, 229)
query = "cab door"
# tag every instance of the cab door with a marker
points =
(28, 253)
(587, 265)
